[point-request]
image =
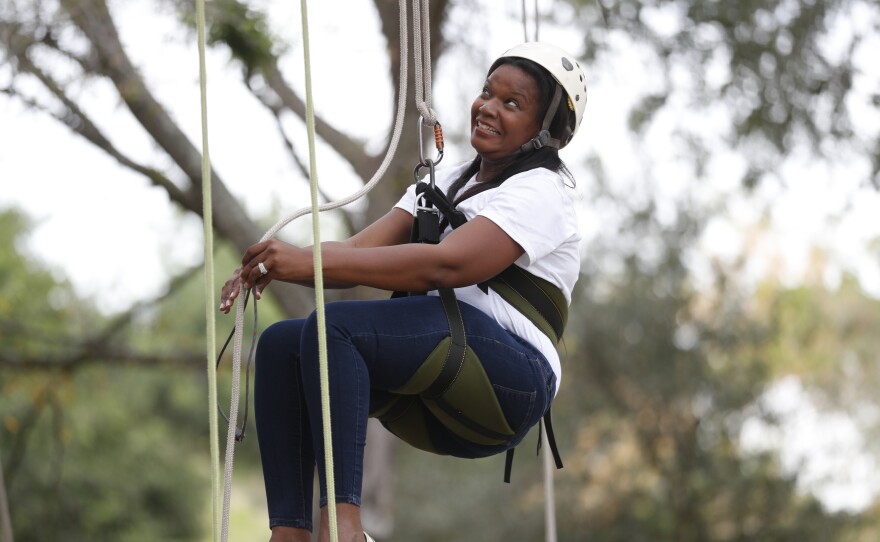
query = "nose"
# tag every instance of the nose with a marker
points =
(486, 108)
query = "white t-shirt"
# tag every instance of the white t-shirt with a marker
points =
(534, 209)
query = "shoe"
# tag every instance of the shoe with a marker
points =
(368, 537)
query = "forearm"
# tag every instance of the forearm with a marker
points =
(473, 253)
(409, 267)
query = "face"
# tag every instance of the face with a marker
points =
(505, 114)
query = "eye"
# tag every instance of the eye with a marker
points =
(485, 91)
(512, 102)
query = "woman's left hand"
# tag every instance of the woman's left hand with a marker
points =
(274, 259)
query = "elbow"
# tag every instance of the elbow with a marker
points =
(448, 276)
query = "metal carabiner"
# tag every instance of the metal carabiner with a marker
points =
(428, 163)
(438, 142)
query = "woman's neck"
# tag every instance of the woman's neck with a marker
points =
(491, 169)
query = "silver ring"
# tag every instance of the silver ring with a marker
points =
(262, 268)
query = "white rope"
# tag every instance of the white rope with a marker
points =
(422, 59)
(239, 312)
(549, 499)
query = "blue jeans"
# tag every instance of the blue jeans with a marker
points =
(373, 347)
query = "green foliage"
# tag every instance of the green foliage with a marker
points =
(106, 452)
(783, 70)
(244, 30)
(38, 313)
(100, 455)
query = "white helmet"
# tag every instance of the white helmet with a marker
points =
(566, 70)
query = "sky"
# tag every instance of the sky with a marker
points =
(117, 239)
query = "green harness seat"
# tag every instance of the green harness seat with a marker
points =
(451, 385)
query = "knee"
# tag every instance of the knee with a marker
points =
(336, 315)
(279, 341)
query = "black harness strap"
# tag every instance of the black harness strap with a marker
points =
(457, 347)
(426, 229)
(520, 281)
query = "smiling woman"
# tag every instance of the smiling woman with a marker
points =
(504, 116)
(466, 370)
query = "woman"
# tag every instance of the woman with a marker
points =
(513, 195)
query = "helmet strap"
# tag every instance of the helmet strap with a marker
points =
(543, 138)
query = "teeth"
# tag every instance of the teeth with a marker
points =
(487, 128)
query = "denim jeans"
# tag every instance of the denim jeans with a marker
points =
(373, 347)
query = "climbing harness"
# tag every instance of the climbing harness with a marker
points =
(451, 385)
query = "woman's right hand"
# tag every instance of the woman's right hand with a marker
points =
(230, 291)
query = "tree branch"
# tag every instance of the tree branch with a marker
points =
(93, 18)
(111, 60)
(104, 354)
(349, 149)
(276, 110)
(80, 123)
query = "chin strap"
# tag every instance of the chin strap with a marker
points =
(543, 139)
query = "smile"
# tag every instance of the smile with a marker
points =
(487, 128)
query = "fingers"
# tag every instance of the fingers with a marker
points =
(257, 271)
(256, 263)
(230, 291)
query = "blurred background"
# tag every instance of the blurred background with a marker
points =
(721, 363)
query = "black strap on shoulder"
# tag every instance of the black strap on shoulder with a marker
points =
(515, 277)
(455, 217)
(426, 229)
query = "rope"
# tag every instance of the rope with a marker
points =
(392, 146)
(319, 286)
(5, 520)
(422, 59)
(549, 499)
(239, 312)
(207, 221)
(525, 21)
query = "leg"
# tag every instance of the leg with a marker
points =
(371, 344)
(283, 432)
(378, 346)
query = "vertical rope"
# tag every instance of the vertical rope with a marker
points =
(5, 521)
(208, 221)
(549, 499)
(239, 312)
(319, 284)
(525, 18)
(537, 20)
(422, 59)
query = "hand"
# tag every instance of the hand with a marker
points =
(230, 291)
(279, 260)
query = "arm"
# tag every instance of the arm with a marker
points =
(472, 253)
(392, 229)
